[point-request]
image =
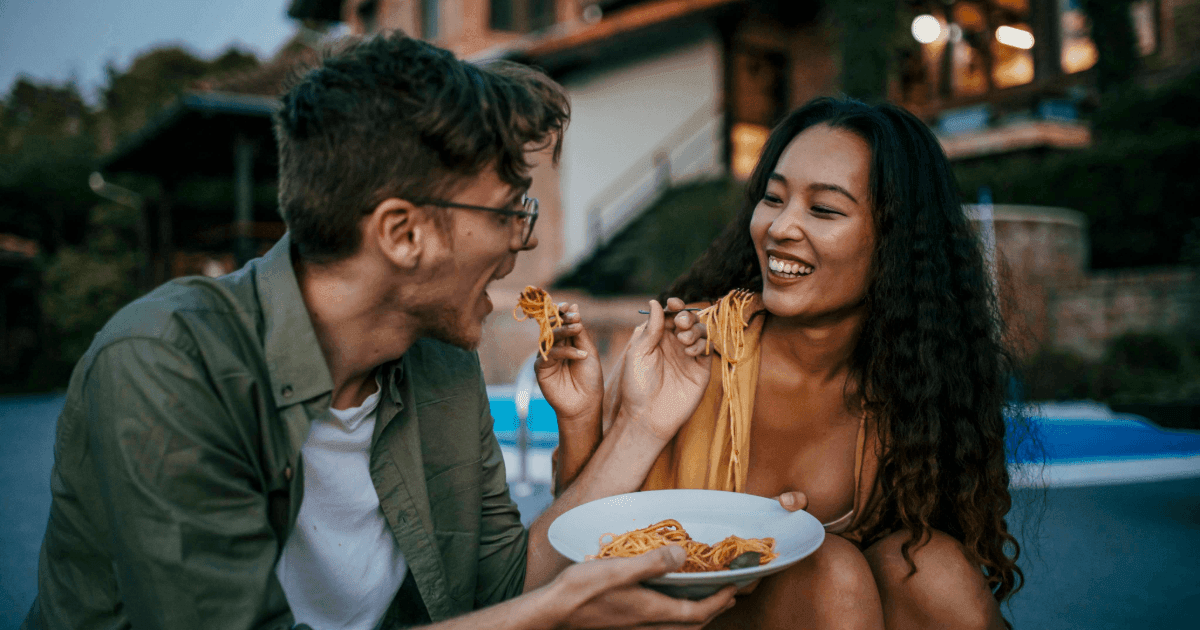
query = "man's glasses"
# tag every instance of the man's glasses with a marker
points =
(528, 213)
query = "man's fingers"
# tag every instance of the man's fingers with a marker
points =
(612, 573)
(674, 304)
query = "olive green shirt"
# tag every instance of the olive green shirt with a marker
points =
(177, 478)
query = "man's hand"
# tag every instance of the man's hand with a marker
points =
(570, 375)
(661, 384)
(607, 594)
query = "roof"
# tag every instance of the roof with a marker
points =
(195, 135)
(323, 10)
(629, 26)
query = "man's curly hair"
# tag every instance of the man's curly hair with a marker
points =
(930, 358)
(391, 116)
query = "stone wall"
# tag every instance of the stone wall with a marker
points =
(1085, 316)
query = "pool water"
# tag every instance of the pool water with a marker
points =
(1061, 444)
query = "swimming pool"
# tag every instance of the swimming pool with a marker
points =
(1076, 444)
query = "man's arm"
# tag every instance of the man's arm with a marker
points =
(661, 386)
(191, 543)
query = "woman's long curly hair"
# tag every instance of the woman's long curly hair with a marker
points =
(930, 357)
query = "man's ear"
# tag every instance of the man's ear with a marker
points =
(403, 233)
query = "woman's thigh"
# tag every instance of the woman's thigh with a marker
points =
(832, 588)
(947, 590)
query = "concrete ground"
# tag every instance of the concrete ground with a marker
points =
(1117, 556)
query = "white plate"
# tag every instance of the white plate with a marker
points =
(707, 515)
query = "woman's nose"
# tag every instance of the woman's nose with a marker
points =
(787, 226)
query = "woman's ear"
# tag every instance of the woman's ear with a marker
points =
(405, 234)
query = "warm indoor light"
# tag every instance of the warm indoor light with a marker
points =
(1014, 37)
(926, 29)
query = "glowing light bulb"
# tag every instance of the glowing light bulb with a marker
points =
(1014, 37)
(926, 29)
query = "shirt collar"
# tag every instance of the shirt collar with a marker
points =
(294, 359)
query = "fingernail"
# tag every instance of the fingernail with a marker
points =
(677, 553)
(788, 500)
(582, 354)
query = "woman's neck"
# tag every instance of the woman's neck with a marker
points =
(822, 350)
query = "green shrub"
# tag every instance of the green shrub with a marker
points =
(84, 286)
(1058, 375)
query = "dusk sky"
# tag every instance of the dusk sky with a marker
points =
(55, 40)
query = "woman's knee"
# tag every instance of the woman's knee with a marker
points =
(832, 588)
(946, 590)
(841, 567)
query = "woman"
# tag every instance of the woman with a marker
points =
(870, 386)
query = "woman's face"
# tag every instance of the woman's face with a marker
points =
(813, 230)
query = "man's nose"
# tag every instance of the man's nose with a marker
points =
(530, 244)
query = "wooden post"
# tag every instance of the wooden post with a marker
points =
(166, 233)
(243, 161)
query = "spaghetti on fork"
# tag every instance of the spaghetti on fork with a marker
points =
(534, 303)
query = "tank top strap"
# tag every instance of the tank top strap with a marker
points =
(858, 456)
(842, 524)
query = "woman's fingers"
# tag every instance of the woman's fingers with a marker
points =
(793, 501)
(692, 333)
(649, 333)
(565, 353)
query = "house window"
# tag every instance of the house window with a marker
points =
(971, 48)
(429, 19)
(1079, 52)
(521, 16)
(759, 100)
(368, 14)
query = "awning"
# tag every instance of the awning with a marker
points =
(196, 135)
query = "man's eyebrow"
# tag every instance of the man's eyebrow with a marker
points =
(819, 186)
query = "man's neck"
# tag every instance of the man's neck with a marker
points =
(357, 328)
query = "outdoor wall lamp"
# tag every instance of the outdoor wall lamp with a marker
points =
(926, 29)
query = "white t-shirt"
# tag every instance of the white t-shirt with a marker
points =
(341, 567)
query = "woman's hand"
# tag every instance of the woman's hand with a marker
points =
(661, 383)
(570, 375)
(793, 501)
(688, 329)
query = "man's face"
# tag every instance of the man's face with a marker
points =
(479, 247)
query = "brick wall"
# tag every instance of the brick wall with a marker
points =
(1085, 316)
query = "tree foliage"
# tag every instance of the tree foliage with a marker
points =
(132, 97)
(1112, 32)
(870, 37)
(1136, 185)
(50, 141)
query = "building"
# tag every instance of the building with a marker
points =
(666, 92)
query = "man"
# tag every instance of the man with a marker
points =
(308, 440)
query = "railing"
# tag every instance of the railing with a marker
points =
(688, 151)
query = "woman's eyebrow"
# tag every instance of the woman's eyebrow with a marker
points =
(832, 188)
(815, 187)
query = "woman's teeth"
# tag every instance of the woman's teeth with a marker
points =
(788, 268)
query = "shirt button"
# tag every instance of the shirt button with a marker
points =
(286, 391)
